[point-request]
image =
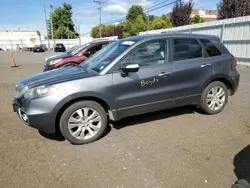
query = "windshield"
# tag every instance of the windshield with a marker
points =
(105, 56)
(71, 49)
(78, 49)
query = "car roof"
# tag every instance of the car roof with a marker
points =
(172, 35)
(101, 41)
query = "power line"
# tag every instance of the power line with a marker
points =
(148, 9)
(163, 6)
(99, 2)
(144, 8)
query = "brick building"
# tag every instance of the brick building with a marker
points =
(207, 15)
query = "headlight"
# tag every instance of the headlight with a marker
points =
(39, 92)
(54, 61)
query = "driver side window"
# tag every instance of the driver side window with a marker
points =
(147, 54)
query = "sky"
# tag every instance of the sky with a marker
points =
(29, 14)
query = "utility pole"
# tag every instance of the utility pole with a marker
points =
(100, 2)
(46, 25)
(147, 21)
(51, 23)
(79, 33)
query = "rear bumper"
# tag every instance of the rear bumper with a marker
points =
(235, 80)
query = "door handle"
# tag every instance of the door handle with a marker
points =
(205, 65)
(164, 73)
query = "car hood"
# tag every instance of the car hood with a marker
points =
(58, 56)
(56, 76)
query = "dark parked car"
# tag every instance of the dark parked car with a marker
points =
(59, 47)
(76, 56)
(40, 48)
(131, 76)
(68, 51)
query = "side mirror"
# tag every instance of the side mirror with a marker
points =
(130, 68)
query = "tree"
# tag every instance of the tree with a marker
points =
(168, 21)
(134, 12)
(232, 9)
(95, 32)
(133, 28)
(63, 26)
(107, 31)
(197, 19)
(181, 13)
(158, 23)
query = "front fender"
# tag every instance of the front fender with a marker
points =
(83, 95)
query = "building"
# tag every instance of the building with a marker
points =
(207, 15)
(11, 39)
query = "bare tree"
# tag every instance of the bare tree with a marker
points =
(181, 13)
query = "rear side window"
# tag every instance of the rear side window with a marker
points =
(186, 49)
(211, 49)
(96, 48)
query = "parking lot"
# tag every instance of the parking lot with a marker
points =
(172, 148)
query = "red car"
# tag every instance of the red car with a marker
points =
(77, 56)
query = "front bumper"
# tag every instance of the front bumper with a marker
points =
(38, 113)
(48, 67)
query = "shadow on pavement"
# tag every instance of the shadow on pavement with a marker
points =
(144, 118)
(242, 168)
(59, 137)
(56, 136)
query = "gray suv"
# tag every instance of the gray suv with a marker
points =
(131, 76)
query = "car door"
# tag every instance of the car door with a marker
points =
(149, 89)
(192, 67)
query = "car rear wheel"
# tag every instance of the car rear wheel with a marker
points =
(83, 122)
(214, 98)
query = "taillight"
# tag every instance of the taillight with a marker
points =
(235, 63)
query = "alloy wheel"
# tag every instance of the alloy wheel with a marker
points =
(84, 123)
(216, 98)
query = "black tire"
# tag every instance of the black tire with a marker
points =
(74, 107)
(203, 103)
(243, 183)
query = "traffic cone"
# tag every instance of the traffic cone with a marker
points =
(12, 60)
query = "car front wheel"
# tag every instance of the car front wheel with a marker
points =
(83, 122)
(214, 98)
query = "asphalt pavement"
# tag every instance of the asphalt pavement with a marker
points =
(172, 148)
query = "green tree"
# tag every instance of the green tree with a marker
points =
(168, 21)
(134, 12)
(232, 9)
(95, 32)
(197, 19)
(160, 23)
(63, 26)
(107, 31)
(133, 28)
